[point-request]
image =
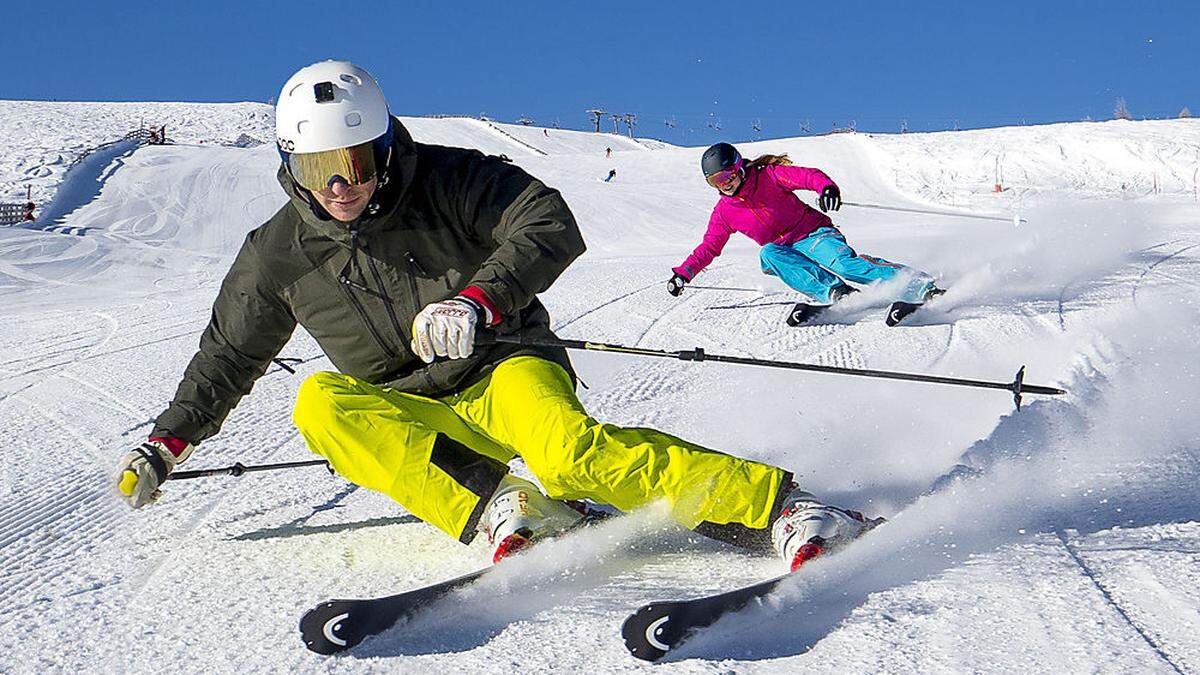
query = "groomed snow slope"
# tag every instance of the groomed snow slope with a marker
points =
(1076, 549)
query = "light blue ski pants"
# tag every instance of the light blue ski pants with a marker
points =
(823, 260)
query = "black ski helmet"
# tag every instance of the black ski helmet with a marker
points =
(718, 158)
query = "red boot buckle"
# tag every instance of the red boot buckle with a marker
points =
(510, 545)
(804, 554)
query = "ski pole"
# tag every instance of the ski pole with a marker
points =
(756, 304)
(720, 288)
(239, 469)
(1017, 386)
(283, 363)
(1015, 220)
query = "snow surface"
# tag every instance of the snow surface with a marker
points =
(1076, 548)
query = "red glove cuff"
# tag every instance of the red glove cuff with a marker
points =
(491, 314)
(175, 445)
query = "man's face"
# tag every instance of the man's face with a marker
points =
(346, 202)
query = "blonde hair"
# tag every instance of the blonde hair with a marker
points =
(767, 160)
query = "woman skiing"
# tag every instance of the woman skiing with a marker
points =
(392, 254)
(801, 246)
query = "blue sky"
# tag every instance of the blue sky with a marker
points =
(787, 66)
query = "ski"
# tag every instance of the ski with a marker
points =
(656, 628)
(803, 313)
(337, 625)
(901, 310)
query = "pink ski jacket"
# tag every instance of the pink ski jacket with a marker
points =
(764, 209)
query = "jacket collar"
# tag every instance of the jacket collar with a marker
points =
(745, 190)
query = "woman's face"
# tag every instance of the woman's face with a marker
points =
(731, 185)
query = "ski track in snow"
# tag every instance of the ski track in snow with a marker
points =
(1087, 571)
(1151, 268)
(1075, 550)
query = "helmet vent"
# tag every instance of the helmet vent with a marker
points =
(330, 105)
(324, 92)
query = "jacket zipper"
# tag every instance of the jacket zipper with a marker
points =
(754, 211)
(387, 302)
(348, 286)
(414, 268)
(764, 221)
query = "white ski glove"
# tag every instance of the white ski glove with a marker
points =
(142, 471)
(445, 328)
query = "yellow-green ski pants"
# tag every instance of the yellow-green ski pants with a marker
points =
(442, 458)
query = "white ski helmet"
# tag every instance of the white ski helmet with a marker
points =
(329, 105)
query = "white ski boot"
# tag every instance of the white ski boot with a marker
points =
(806, 528)
(519, 514)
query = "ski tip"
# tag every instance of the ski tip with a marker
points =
(648, 632)
(327, 631)
(900, 311)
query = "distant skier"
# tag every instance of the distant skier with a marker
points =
(800, 245)
(612, 173)
(392, 254)
(607, 153)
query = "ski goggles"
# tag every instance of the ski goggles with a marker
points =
(315, 171)
(723, 179)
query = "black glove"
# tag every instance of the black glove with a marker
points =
(676, 284)
(831, 199)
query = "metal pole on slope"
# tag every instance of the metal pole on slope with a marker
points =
(1017, 386)
(719, 288)
(238, 469)
(1015, 220)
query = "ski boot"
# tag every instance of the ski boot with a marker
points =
(807, 528)
(900, 309)
(804, 312)
(518, 514)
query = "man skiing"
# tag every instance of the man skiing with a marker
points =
(800, 245)
(393, 254)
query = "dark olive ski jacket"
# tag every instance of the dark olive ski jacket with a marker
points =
(443, 219)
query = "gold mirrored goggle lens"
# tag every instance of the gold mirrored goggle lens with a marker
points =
(315, 171)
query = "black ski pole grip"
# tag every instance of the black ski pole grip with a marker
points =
(485, 337)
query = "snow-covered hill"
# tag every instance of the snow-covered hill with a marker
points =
(1118, 158)
(1076, 549)
(41, 139)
